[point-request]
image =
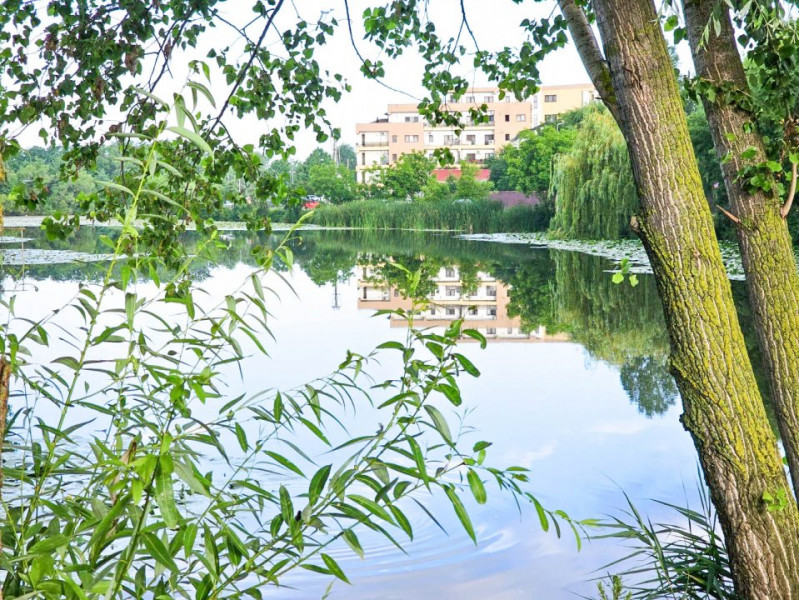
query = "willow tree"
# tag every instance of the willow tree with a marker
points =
(592, 183)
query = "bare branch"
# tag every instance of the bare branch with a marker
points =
(363, 60)
(590, 53)
(729, 215)
(246, 68)
(791, 193)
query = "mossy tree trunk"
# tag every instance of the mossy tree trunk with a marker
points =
(766, 248)
(723, 409)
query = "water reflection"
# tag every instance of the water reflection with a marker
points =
(560, 409)
(507, 292)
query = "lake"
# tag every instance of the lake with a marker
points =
(573, 387)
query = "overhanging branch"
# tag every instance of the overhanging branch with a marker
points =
(590, 53)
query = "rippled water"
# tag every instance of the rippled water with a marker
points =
(586, 405)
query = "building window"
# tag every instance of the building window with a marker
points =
(491, 117)
(471, 157)
(491, 331)
(393, 139)
(491, 290)
(451, 311)
(393, 158)
(471, 140)
(489, 140)
(451, 290)
(433, 311)
(449, 272)
(510, 330)
(535, 101)
(521, 118)
(363, 158)
(551, 98)
(550, 118)
(492, 311)
(431, 138)
(396, 293)
(412, 119)
(472, 311)
(507, 137)
(411, 138)
(488, 99)
(507, 118)
(489, 155)
(470, 99)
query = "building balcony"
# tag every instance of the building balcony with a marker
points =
(381, 144)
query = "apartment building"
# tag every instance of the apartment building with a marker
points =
(483, 307)
(403, 130)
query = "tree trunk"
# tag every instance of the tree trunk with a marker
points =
(723, 410)
(766, 248)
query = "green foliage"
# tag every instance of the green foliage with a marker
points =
(687, 560)
(406, 178)
(335, 183)
(529, 166)
(467, 186)
(593, 184)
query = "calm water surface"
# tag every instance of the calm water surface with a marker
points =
(573, 387)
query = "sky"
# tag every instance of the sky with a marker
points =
(495, 24)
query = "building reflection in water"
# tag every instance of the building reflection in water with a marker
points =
(483, 305)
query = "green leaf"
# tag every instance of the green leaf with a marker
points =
(460, 511)
(193, 137)
(117, 187)
(279, 458)
(440, 422)
(158, 551)
(332, 565)
(241, 436)
(49, 544)
(467, 365)
(317, 484)
(164, 492)
(353, 542)
(617, 278)
(477, 487)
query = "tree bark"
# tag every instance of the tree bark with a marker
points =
(723, 410)
(766, 248)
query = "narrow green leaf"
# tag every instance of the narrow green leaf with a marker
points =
(477, 487)
(158, 551)
(317, 484)
(334, 568)
(165, 493)
(460, 511)
(440, 422)
(193, 137)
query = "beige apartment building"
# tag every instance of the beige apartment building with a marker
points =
(403, 130)
(484, 308)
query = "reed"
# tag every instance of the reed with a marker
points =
(478, 216)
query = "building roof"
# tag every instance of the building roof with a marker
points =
(515, 198)
(444, 174)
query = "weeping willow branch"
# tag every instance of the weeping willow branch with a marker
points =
(791, 193)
